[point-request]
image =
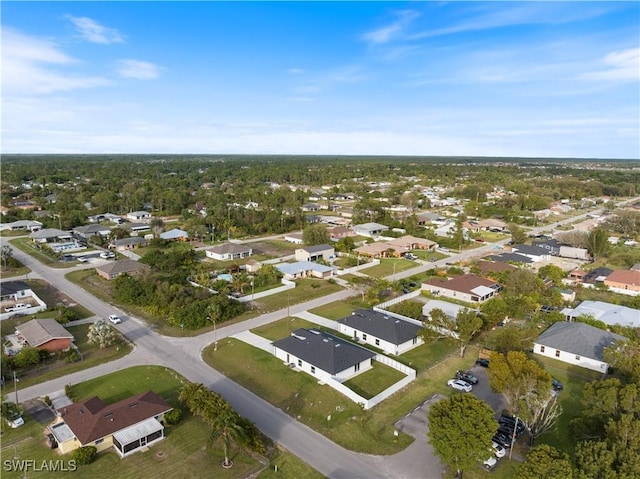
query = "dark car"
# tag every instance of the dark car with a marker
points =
(556, 385)
(501, 439)
(508, 422)
(483, 362)
(470, 378)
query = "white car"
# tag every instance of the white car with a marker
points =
(15, 421)
(459, 385)
(498, 450)
(492, 461)
(115, 319)
(107, 254)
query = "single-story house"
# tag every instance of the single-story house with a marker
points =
(323, 355)
(377, 250)
(624, 279)
(88, 231)
(369, 229)
(138, 216)
(136, 227)
(50, 235)
(129, 425)
(129, 243)
(576, 343)
(310, 207)
(14, 291)
(597, 275)
(392, 335)
(534, 252)
(21, 225)
(295, 238)
(314, 253)
(47, 334)
(507, 257)
(302, 269)
(229, 251)
(338, 232)
(606, 312)
(468, 287)
(114, 269)
(312, 219)
(17, 297)
(492, 224)
(175, 235)
(408, 243)
(427, 217)
(106, 217)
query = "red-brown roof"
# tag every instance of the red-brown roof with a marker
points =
(625, 276)
(464, 284)
(93, 419)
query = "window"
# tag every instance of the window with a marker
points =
(356, 368)
(300, 362)
(99, 441)
(364, 336)
(577, 358)
(313, 369)
(377, 342)
(557, 353)
(542, 349)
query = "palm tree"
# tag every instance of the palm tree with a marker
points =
(240, 280)
(227, 425)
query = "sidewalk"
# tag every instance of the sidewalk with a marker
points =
(314, 318)
(254, 340)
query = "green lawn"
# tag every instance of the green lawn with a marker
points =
(573, 378)
(428, 355)
(300, 396)
(374, 381)
(338, 309)
(25, 245)
(184, 452)
(92, 355)
(388, 266)
(53, 297)
(282, 328)
(287, 466)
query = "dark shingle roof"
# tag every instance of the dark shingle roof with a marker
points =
(93, 419)
(513, 257)
(13, 287)
(317, 248)
(578, 338)
(532, 250)
(379, 325)
(323, 350)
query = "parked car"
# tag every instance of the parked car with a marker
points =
(508, 423)
(115, 319)
(501, 439)
(483, 362)
(459, 385)
(410, 256)
(556, 385)
(467, 377)
(498, 450)
(16, 420)
(107, 255)
(491, 462)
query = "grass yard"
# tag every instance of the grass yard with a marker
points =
(183, 451)
(300, 396)
(282, 328)
(573, 378)
(389, 266)
(505, 469)
(426, 356)
(338, 309)
(53, 297)
(287, 466)
(92, 355)
(374, 381)
(26, 246)
(18, 270)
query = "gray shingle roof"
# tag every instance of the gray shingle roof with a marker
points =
(323, 350)
(317, 248)
(578, 338)
(13, 287)
(379, 325)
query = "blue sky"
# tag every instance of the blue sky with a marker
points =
(546, 79)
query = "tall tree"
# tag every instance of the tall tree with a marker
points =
(460, 430)
(539, 413)
(624, 356)
(462, 329)
(6, 253)
(518, 235)
(315, 234)
(517, 377)
(546, 462)
(598, 243)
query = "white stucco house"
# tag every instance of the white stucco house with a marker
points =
(323, 355)
(229, 251)
(468, 287)
(392, 335)
(314, 253)
(576, 343)
(369, 229)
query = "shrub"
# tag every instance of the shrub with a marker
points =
(68, 390)
(47, 401)
(173, 417)
(84, 455)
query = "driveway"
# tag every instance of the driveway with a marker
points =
(483, 391)
(38, 411)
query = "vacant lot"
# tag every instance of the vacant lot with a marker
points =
(52, 296)
(389, 266)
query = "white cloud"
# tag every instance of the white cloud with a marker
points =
(138, 69)
(623, 65)
(31, 65)
(393, 30)
(93, 32)
(295, 71)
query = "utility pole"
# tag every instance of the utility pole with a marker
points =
(15, 386)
